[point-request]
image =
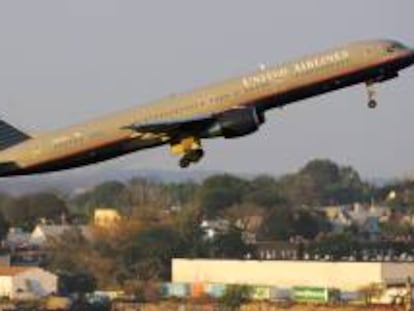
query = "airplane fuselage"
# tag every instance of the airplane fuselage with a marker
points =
(109, 137)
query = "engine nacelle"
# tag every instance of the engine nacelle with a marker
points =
(236, 123)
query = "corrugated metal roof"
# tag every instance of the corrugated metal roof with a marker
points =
(12, 271)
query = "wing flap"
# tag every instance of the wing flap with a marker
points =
(173, 126)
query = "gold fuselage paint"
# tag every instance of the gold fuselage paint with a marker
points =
(243, 91)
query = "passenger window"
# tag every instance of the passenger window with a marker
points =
(368, 52)
(391, 49)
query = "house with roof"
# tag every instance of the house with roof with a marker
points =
(212, 228)
(44, 233)
(20, 283)
(339, 217)
(250, 226)
(370, 230)
(360, 213)
(366, 218)
(17, 237)
(106, 217)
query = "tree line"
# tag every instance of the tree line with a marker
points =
(291, 197)
(162, 220)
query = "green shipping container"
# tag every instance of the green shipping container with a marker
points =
(260, 293)
(315, 294)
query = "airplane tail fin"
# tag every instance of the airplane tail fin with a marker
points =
(10, 136)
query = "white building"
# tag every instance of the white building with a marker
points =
(43, 233)
(286, 274)
(212, 228)
(17, 237)
(26, 282)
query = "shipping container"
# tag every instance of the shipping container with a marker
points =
(178, 290)
(348, 296)
(164, 289)
(315, 294)
(260, 293)
(197, 290)
(215, 290)
(279, 294)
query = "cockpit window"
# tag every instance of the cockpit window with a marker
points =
(394, 47)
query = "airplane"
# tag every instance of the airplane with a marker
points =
(231, 109)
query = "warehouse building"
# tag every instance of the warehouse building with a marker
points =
(26, 282)
(4, 260)
(349, 276)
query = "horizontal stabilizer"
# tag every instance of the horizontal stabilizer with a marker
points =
(10, 136)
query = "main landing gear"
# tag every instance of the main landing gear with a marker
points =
(372, 103)
(192, 156)
(189, 149)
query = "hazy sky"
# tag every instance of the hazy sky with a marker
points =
(63, 62)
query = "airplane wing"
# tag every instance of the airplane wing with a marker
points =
(173, 127)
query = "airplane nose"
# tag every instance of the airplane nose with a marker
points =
(8, 168)
(409, 57)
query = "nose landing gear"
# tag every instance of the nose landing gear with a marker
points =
(372, 103)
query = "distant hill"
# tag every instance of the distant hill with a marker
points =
(74, 180)
(70, 181)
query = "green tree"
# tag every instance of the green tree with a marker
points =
(236, 295)
(309, 223)
(283, 223)
(322, 182)
(70, 252)
(392, 230)
(79, 283)
(264, 191)
(220, 192)
(109, 194)
(192, 241)
(278, 225)
(335, 245)
(25, 211)
(147, 254)
(402, 198)
(230, 245)
(182, 193)
(4, 226)
(144, 192)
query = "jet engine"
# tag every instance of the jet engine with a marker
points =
(236, 123)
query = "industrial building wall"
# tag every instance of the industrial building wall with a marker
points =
(38, 282)
(397, 271)
(282, 274)
(5, 286)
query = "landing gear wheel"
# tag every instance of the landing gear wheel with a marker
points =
(189, 148)
(197, 155)
(372, 104)
(184, 162)
(192, 156)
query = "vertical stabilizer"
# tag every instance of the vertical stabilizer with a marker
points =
(10, 136)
